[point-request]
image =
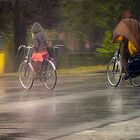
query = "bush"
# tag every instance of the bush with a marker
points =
(108, 47)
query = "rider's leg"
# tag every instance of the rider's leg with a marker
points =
(125, 56)
(36, 66)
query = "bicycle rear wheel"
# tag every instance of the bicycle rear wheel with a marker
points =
(135, 81)
(49, 75)
(26, 75)
(114, 72)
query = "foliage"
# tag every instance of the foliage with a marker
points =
(45, 12)
(89, 19)
(84, 17)
(108, 47)
(21, 14)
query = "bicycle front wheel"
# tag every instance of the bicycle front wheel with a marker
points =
(49, 75)
(26, 75)
(114, 72)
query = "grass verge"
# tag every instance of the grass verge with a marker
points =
(83, 69)
(72, 71)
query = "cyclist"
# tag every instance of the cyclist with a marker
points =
(128, 33)
(40, 42)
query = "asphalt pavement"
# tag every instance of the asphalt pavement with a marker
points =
(121, 130)
(81, 107)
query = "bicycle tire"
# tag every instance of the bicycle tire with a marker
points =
(114, 72)
(26, 75)
(49, 75)
(135, 81)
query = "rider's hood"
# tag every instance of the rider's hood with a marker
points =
(36, 27)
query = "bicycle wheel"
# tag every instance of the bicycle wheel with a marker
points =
(49, 74)
(135, 81)
(26, 75)
(114, 72)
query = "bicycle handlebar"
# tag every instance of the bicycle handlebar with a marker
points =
(26, 47)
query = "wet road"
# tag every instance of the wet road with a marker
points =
(76, 104)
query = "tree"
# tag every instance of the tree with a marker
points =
(89, 19)
(108, 47)
(21, 14)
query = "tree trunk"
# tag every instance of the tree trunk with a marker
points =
(20, 27)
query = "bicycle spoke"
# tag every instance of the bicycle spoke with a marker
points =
(49, 75)
(114, 72)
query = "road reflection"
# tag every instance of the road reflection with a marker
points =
(47, 114)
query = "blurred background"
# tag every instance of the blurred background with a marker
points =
(79, 30)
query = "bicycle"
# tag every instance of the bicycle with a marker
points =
(115, 71)
(27, 76)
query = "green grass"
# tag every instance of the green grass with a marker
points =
(71, 71)
(83, 69)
